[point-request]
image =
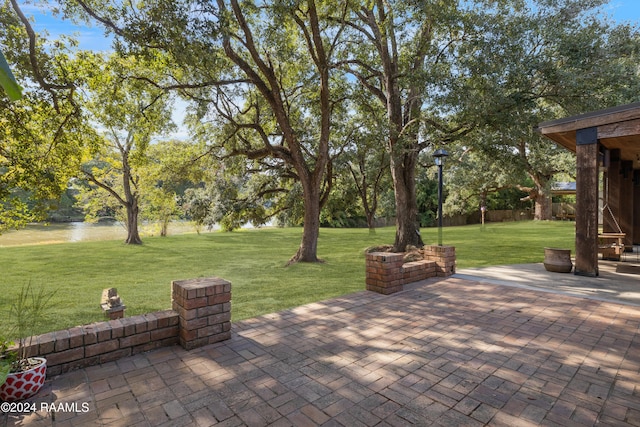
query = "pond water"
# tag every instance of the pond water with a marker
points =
(36, 234)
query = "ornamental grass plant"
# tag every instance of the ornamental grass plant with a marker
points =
(24, 321)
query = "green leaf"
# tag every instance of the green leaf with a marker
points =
(7, 81)
(5, 368)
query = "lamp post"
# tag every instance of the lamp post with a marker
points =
(440, 155)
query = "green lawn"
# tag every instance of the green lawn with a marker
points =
(253, 260)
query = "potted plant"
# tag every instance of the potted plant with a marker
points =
(22, 376)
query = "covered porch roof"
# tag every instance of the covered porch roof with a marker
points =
(617, 128)
(609, 138)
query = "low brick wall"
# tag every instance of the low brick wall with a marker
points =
(387, 273)
(201, 315)
(103, 342)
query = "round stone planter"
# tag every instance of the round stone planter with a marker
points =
(558, 260)
(23, 385)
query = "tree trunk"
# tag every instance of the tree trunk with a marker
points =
(362, 185)
(370, 221)
(403, 146)
(307, 252)
(542, 197)
(164, 226)
(407, 230)
(133, 235)
(483, 207)
(267, 79)
(544, 205)
(131, 201)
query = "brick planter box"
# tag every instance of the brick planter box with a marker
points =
(387, 273)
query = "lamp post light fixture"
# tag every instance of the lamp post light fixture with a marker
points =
(439, 156)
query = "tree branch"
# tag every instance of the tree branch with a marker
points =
(91, 177)
(35, 66)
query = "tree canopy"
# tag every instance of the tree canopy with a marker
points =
(302, 103)
(130, 112)
(43, 132)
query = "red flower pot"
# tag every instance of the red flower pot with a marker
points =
(23, 385)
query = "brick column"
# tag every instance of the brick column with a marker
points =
(444, 257)
(204, 309)
(384, 272)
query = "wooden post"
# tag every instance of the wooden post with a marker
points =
(636, 206)
(612, 177)
(626, 202)
(619, 197)
(587, 202)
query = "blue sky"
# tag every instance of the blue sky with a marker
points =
(93, 38)
(625, 10)
(90, 37)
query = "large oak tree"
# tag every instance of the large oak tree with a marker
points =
(444, 69)
(264, 67)
(539, 63)
(404, 54)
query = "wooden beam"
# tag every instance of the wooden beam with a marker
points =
(620, 129)
(587, 202)
(592, 119)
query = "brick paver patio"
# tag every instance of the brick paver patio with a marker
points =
(448, 352)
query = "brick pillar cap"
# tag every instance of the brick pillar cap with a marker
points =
(200, 282)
